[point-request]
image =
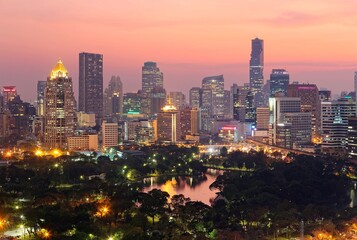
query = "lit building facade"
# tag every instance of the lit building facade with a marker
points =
(279, 82)
(8, 93)
(335, 116)
(113, 97)
(110, 134)
(196, 97)
(178, 99)
(132, 104)
(189, 121)
(284, 115)
(41, 87)
(168, 125)
(151, 77)
(352, 138)
(310, 103)
(90, 98)
(213, 95)
(83, 143)
(60, 115)
(256, 67)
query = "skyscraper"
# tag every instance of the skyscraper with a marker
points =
(334, 115)
(213, 95)
(158, 99)
(9, 93)
(355, 83)
(132, 104)
(288, 126)
(178, 99)
(41, 86)
(113, 97)
(256, 68)
(196, 97)
(59, 118)
(279, 81)
(310, 102)
(168, 124)
(151, 78)
(91, 84)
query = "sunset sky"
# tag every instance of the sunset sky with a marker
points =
(316, 41)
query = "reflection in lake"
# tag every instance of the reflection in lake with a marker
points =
(194, 187)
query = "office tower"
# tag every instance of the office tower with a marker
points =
(109, 134)
(22, 116)
(266, 94)
(60, 115)
(195, 97)
(213, 95)
(334, 115)
(262, 118)
(8, 93)
(227, 105)
(233, 94)
(240, 101)
(310, 102)
(91, 84)
(256, 69)
(352, 138)
(355, 85)
(132, 104)
(279, 81)
(144, 133)
(286, 119)
(250, 114)
(41, 87)
(168, 125)
(113, 97)
(178, 99)
(325, 95)
(189, 121)
(158, 99)
(151, 78)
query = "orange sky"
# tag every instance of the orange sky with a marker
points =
(316, 41)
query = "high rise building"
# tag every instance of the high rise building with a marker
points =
(41, 87)
(279, 81)
(334, 115)
(189, 121)
(91, 84)
(286, 119)
(352, 137)
(132, 104)
(178, 99)
(151, 77)
(158, 99)
(196, 97)
(8, 93)
(256, 68)
(240, 101)
(355, 85)
(227, 105)
(60, 115)
(233, 95)
(113, 97)
(213, 95)
(109, 134)
(310, 102)
(168, 124)
(262, 118)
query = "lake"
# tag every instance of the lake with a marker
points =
(196, 188)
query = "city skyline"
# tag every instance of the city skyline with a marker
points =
(313, 41)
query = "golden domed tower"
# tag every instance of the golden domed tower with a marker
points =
(60, 105)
